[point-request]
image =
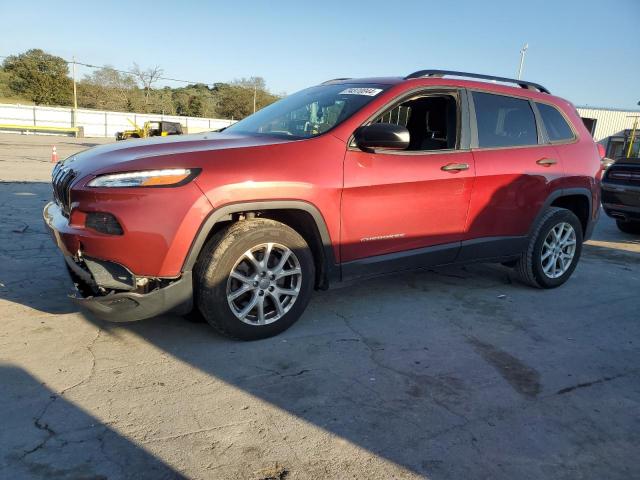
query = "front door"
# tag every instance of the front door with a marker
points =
(408, 208)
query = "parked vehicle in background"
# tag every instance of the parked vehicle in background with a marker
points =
(607, 162)
(621, 193)
(348, 179)
(151, 129)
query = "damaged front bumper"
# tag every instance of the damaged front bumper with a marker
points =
(109, 290)
(132, 306)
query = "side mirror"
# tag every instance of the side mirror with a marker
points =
(386, 136)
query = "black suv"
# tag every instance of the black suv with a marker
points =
(621, 193)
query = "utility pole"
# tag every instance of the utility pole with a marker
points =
(523, 51)
(632, 135)
(255, 93)
(75, 93)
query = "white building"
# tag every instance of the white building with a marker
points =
(612, 128)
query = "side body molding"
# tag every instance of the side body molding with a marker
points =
(368, 267)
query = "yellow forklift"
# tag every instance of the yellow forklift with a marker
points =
(159, 128)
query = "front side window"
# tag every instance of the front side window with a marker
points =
(504, 121)
(432, 121)
(310, 112)
(555, 124)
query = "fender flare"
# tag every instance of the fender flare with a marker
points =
(565, 192)
(225, 212)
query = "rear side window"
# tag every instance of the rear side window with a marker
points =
(554, 122)
(504, 121)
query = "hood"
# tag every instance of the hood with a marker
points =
(117, 156)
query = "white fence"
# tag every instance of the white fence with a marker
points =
(97, 123)
(100, 123)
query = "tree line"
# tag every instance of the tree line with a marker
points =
(44, 79)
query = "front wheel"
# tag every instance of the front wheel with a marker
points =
(553, 251)
(254, 279)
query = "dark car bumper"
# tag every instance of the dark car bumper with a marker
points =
(99, 283)
(621, 201)
(129, 306)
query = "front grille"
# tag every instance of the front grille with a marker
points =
(61, 180)
(623, 175)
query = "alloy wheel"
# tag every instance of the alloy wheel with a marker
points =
(264, 284)
(558, 250)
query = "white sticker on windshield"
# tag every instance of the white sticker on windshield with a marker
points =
(370, 92)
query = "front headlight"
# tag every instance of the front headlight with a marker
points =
(170, 177)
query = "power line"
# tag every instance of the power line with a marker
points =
(128, 72)
(135, 73)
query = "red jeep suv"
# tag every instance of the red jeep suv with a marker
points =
(351, 178)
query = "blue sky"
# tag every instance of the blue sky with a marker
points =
(585, 51)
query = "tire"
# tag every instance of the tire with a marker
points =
(226, 252)
(628, 227)
(530, 267)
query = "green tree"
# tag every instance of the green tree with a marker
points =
(161, 101)
(107, 89)
(42, 78)
(39, 77)
(195, 100)
(5, 89)
(235, 100)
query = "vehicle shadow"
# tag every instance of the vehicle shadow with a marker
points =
(32, 273)
(43, 435)
(438, 371)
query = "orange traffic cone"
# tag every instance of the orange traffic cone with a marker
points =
(54, 155)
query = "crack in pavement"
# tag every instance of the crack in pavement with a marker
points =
(280, 374)
(38, 422)
(193, 432)
(589, 384)
(93, 365)
(378, 363)
(101, 442)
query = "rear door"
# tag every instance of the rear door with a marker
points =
(515, 173)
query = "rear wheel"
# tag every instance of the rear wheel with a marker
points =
(553, 251)
(628, 227)
(254, 279)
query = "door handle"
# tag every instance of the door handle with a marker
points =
(547, 162)
(455, 167)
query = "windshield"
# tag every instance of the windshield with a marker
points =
(309, 112)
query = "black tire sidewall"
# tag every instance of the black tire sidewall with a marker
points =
(212, 296)
(628, 227)
(559, 217)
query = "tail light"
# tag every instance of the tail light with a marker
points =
(604, 162)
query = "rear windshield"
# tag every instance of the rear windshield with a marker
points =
(310, 112)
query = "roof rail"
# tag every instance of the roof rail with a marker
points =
(335, 80)
(442, 73)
